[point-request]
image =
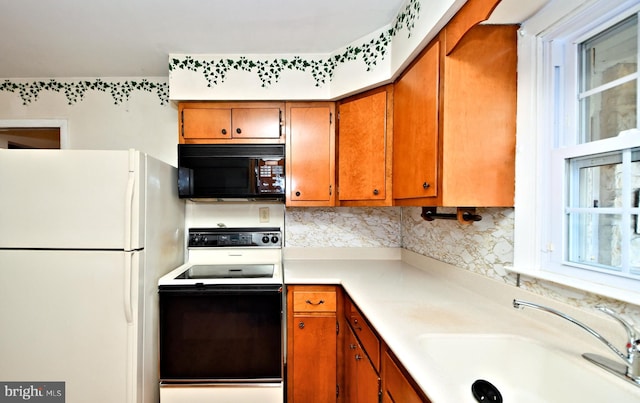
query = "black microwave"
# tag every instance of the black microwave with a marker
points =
(244, 171)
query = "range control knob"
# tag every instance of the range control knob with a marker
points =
(265, 239)
(274, 239)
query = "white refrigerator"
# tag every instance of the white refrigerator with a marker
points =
(84, 238)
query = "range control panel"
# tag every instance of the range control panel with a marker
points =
(234, 237)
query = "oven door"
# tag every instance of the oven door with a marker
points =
(221, 333)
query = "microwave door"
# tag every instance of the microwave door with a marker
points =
(221, 177)
(231, 171)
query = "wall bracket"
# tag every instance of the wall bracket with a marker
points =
(464, 215)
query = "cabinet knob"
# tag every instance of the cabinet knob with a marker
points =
(375, 192)
(238, 130)
(358, 357)
(425, 185)
(298, 193)
(224, 131)
(301, 325)
(355, 325)
(352, 346)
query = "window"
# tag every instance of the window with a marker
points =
(601, 222)
(608, 75)
(585, 196)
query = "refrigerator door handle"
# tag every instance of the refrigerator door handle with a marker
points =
(128, 213)
(128, 287)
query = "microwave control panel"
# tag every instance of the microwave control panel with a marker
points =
(271, 176)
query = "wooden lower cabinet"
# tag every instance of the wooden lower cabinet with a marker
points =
(312, 344)
(334, 355)
(396, 388)
(361, 379)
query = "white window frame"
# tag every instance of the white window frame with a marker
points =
(540, 163)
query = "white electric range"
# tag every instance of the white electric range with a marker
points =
(222, 319)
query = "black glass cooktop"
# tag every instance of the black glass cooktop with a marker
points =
(206, 271)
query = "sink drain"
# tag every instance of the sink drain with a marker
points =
(484, 391)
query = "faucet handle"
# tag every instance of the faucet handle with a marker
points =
(632, 337)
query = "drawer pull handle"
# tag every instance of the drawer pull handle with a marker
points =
(314, 303)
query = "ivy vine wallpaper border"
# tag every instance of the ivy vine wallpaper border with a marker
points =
(74, 90)
(215, 72)
(269, 71)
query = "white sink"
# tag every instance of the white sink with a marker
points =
(523, 370)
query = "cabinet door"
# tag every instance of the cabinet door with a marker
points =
(368, 380)
(362, 383)
(206, 123)
(310, 154)
(362, 140)
(350, 385)
(314, 376)
(395, 387)
(415, 128)
(479, 126)
(256, 123)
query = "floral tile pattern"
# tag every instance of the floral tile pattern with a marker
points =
(348, 226)
(269, 71)
(485, 247)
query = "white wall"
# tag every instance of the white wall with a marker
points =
(415, 25)
(96, 122)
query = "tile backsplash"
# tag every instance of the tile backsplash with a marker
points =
(485, 247)
(352, 227)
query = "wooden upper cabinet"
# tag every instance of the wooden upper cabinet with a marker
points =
(310, 164)
(256, 123)
(479, 119)
(364, 148)
(455, 117)
(224, 122)
(473, 13)
(205, 123)
(415, 128)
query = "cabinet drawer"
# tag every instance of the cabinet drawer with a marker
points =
(366, 335)
(314, 301)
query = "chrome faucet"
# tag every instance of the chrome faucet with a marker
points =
(630, 370)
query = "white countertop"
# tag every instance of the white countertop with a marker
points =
(405, 295)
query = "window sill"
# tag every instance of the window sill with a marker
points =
(582, 285)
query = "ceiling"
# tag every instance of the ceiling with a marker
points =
(133, 38)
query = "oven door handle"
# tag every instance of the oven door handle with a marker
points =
(208, 289)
